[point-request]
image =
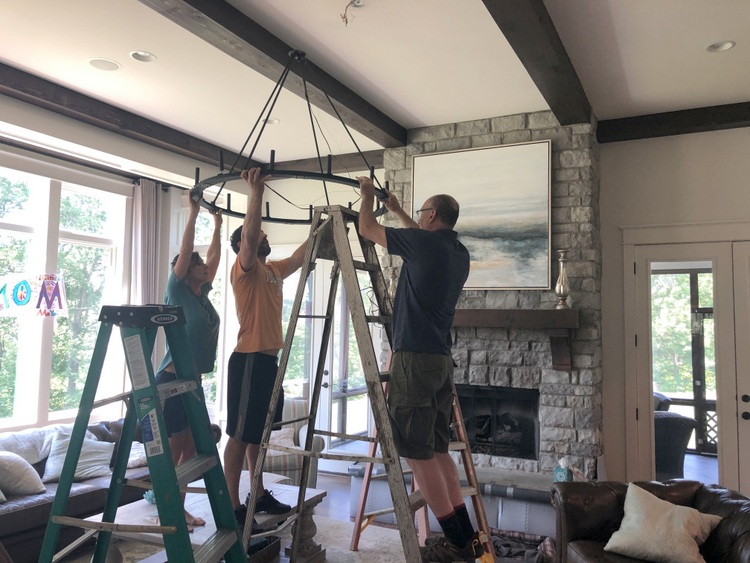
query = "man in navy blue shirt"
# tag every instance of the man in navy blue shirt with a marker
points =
(420, 394)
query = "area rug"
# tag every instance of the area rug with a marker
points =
(376, 545)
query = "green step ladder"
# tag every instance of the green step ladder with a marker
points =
(138, 328)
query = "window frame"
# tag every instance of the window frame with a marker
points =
(45, 237)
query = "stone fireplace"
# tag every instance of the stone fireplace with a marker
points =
(527, 356)
(501, 421)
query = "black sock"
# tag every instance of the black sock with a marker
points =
(453, 530)
(462, 514)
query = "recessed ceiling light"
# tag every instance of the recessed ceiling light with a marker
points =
(143, 56)
(105, 64)
(720, 46)
(272, 121)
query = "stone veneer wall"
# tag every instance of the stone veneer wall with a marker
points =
(570, 403)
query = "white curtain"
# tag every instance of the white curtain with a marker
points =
(147, 207)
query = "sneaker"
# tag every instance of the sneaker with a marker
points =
(440, 550)
(268, 504)
(240, 513)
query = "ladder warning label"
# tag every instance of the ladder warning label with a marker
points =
(136, 362)
(152, 441)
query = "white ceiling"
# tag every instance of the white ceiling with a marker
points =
(421, 62)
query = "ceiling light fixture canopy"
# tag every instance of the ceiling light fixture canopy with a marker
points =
(324, 175)
(143, 56)
(720, 46)
(104, 64)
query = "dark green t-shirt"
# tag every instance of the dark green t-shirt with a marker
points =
(202, 323)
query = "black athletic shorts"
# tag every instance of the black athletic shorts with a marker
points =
(250, 381)
(174, 409)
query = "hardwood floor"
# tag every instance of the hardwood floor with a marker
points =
(701, 468)
(336, 502)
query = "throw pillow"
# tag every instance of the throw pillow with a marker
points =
(137, 456)
(283, 437)
(92, 462)
(17, 477)
(657, 530)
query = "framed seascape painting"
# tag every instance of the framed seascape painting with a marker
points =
(504, 220)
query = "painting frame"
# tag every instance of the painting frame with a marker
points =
(505, 220)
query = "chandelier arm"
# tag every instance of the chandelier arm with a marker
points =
(356, 146)
(277, 92)
(274, 96)
(315, 136)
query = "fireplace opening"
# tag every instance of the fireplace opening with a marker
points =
(501, 421)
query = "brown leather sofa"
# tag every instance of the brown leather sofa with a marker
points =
(23, 518)
(589, 513)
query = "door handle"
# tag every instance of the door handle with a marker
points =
(746, 415)
(325, 385)
(746, 398)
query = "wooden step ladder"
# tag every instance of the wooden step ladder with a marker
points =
(362, 519)
(138, 328)
(330, 240)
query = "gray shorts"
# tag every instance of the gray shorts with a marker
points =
(420, 403)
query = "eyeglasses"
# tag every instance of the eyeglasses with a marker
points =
(418, 211)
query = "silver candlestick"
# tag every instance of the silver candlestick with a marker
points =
(562, 287)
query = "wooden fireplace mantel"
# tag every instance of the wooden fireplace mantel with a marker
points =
(557, 322)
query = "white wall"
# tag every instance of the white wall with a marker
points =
(697, 178)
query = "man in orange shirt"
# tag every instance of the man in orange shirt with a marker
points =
(253, 365)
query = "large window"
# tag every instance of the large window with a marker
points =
(77, 232)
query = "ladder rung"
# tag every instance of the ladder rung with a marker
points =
(108, 400)
(456, 446)
(175, 388)
(349, 437)
(416, 500)
(75, 544)
(312, 316)
(468, 491)
(366, 266)
(113, 526)
(382, 319)
(216, 545)
(193, 468)
(342, 457)
(384, 376)
(139, 483)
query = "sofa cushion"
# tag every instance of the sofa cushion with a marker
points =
(585, 551)
(17, 476)
(657, 530)
(93, 459)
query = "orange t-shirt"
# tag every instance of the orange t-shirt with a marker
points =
(258, 298)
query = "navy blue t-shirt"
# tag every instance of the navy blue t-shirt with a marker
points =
(435, 269)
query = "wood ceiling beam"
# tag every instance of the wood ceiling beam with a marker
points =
(47, 95)
(698, 120)
(528, 28)
(231, 31)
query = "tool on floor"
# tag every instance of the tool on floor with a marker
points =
(138, 329)
(330, 240)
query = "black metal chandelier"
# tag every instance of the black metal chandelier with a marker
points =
(324, 174)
